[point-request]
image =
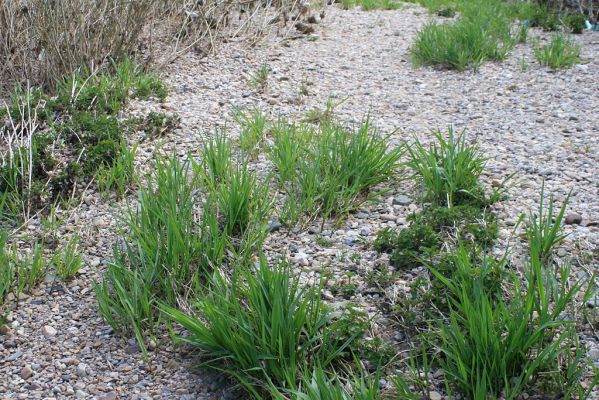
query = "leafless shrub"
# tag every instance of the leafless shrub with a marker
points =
(44, 39)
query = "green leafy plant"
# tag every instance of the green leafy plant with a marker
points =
(69, 262)
(253, 130)
(544, 228)
(561, 52)
(118, 176)
(490, 345)
(263, 329)
(259, 80)
(329, 172)
(449, 169)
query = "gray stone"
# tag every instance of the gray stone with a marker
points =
(402, 200)
(573, 219)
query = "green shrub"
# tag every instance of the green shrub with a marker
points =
(448, 169)
(263, 329)
(561, 52)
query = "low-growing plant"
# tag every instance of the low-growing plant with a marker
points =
(319, 385)
(253, 130)
(30, 269)
(490, 345)
(466, 43)
(259, 80)
(561, 52)
(449, 169)
(69, 261)
(7, 273)
(216, 163)
(330, 172)
(544, 228)
(263, 329)
(118, 176)
(369, 5)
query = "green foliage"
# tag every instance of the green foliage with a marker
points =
(491, 345)
(466, 43)
(69, 262)
(118, 176)
(318, 385)
(449, 169)
(561, 52)
(155, 125)
(253, 130)
(369, 5)
(410, 246)
(328, 172)
(81, 122)
(259, 80)
(543, 229)
(263, 329)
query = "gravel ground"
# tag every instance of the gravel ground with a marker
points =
(543, 125)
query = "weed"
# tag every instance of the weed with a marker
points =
(263, 329)
(327, 172)
(561, 52)
(410, 247)
(156, 125)
(543, 229)
(326, 116)
(317, 385)
(448, 169)
(447, 12)
(259, 80)
(369, 5)
(322, 241)
(216, 165)
(490, 345)
(253, 130)
(118, 176)
(70, 261)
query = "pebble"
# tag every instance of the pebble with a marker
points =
(26, 372)
(435, 395)
(573, 219)
(402, 200)
(49, 331)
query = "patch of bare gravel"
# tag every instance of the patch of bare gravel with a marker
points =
(543, 125)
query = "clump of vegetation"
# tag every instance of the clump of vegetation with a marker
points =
(327, 172)
(55, 142)
(264, 329)
(253, 130)
(173, 242)
(559, 53)
(369, 5)
(259, 80)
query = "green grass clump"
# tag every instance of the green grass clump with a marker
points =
(491, 345)
(253, 130)
(543, 229)
(560, 53)
(369, 5)
(69, 262)
(327, 172)
(466, 43)
(118, 176)
(264, 329)
(449, 169)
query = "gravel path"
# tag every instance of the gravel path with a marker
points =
(543, 125)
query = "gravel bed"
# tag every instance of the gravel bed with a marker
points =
(541, 124)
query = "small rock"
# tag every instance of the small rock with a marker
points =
(273, 226)
(593, 354)
(49, 331)
(81, 370)
(561, 252)
(435, 395)
(573, 219)
(132, 348)
(349, 241)
(172, 364)
(80, 394)
(365, 231)
(26, 372)
(108, 396)
(593, 301)
(402, 200)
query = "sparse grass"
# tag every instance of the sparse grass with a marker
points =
(466, 43)
(259, 80)
(329, 172)
(253, 130)
(369, 5)
(118, 176)
(560, 53)
(491, 345)
(544, 228)
(69, 261)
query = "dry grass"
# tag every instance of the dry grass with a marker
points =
(41, 40)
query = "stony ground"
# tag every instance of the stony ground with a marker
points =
(543, 125)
